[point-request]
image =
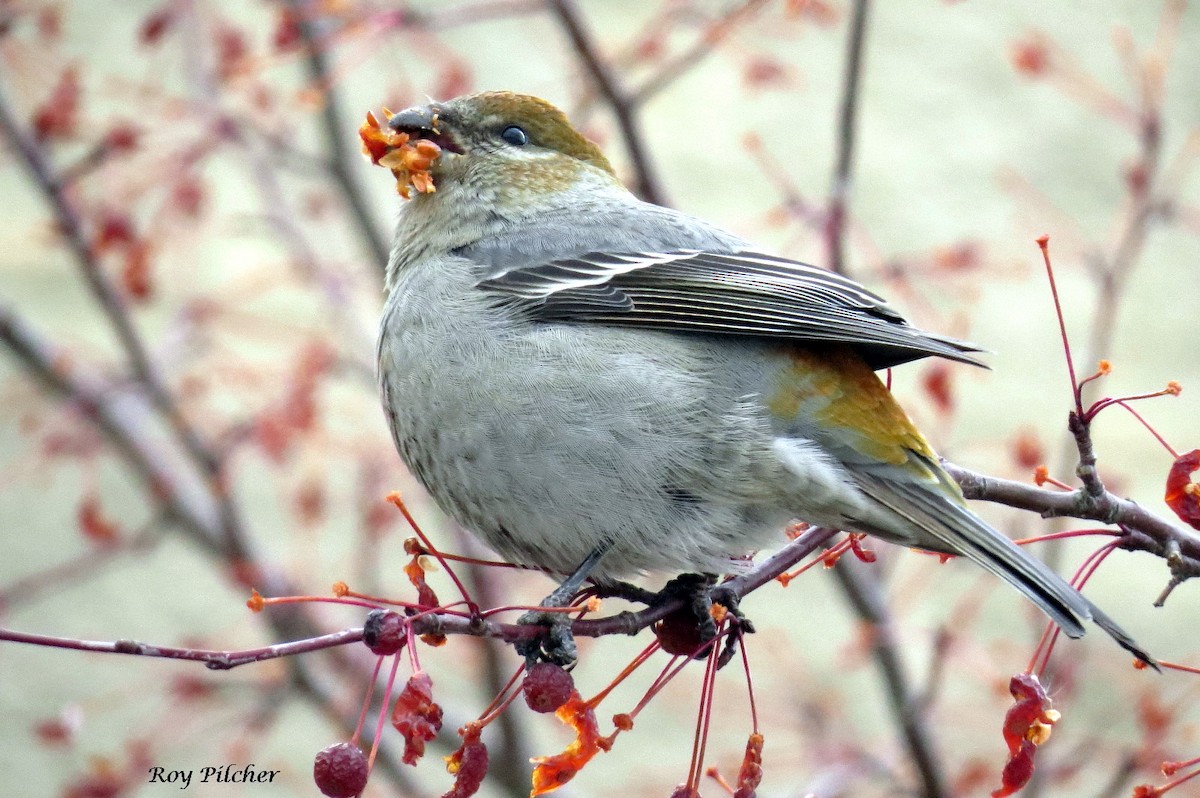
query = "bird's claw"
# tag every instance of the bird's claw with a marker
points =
(555, 644)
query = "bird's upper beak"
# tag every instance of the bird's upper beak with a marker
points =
(426, 122)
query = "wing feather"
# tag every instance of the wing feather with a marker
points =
(734, 293)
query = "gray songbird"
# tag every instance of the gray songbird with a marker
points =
(597, 385)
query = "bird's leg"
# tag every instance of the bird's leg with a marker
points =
(557, 643)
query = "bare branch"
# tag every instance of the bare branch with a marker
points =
(485, 11)
(181, 497)
(117, 312)
(706, 43)
(839, 190)
(1143, 530)
(333, 123)
(214, 660)
(646, 183)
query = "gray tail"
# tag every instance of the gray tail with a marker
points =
(948, 527)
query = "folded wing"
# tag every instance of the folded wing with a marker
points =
(727, 293)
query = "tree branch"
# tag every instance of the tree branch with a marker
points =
(1143, 530)
(705, 44)
(839, 190)
(117, 312)
(181, 497)
(333, 122)
(646, 183)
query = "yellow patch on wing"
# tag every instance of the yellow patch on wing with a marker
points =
(841, 392)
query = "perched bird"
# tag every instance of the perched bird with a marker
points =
(595, 384)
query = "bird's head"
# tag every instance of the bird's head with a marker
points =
(508, 150)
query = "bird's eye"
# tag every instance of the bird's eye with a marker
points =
(515, 136)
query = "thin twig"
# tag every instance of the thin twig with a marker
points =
(472, 14)
(214, 660)
(628, 623)
(333, 123)
(839, 190)
(705, 45)
(1111, 272)
(646, 183)
(1142, 529)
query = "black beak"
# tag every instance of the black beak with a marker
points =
(424, 122)
(418, 121)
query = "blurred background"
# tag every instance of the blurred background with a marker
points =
(191, 253)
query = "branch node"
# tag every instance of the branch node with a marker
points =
(1171, 585)
(128, 647)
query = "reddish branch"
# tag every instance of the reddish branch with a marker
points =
(625, 623)
(215, 660)
(1110, 272)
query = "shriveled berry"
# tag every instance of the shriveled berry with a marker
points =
(469, 764)
(547, 687)
(679, 633)
(340, 770)
(384, 632)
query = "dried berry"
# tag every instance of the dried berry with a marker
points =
(1183, 495)
(554, 771)
(750, 775)
(679, 633)
(409, 160)
(469, 764)
(384, 632)
(1027, 724)
(416, 716)
(340, 770)
(547, 687)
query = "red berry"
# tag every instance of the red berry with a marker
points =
(384, 632)
(679, 634)
(340, 771)
(547, 687)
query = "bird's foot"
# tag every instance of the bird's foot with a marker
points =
(556, 643)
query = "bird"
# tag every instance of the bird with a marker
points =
(600, 386)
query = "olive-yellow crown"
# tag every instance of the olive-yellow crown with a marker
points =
(519, 128)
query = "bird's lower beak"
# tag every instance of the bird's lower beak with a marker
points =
(424, 122)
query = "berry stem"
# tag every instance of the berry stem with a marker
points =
(1044, 243)
(366, 705)
(387, 699)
